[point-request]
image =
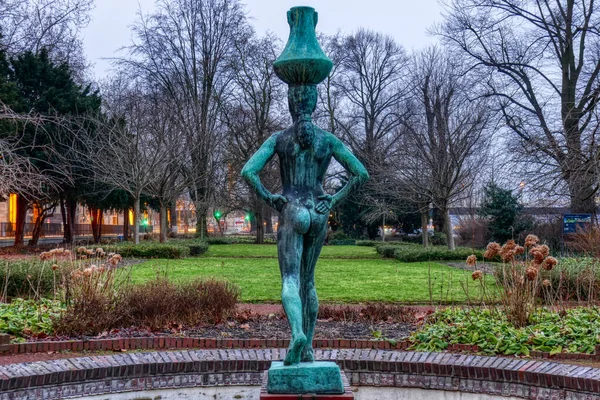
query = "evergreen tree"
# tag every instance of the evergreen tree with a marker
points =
(503, 210)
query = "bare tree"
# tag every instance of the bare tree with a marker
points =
(30, 25)
(447, 137)
(185, 48)
(253, 113)
(123, 150)
(540, 61)
(371, 82)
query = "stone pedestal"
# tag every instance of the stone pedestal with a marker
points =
(318, 380)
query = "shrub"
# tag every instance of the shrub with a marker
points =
(160, 303)
(196, 247)
(342, 242)
(368, 243)
(473, 232)
(104, 299)
(373, 312)
(27, 278)
(437, 239)
(150, 250)
(217, 240)
(435, 253)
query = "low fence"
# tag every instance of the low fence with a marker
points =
(7, 230)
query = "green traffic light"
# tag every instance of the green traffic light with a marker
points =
(217, 214)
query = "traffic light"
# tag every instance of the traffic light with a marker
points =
(247, 217)
(217, 214)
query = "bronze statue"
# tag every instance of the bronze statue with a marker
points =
(304, 152)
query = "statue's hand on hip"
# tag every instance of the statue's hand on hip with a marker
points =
(277, 201)
(325, 203)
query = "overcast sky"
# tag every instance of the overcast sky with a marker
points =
(405, 20)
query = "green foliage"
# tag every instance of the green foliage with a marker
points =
(27, 317)
(220, 240)
(412, 252)
(150, 250)
(574, 332)
(27, 278)
(434, 253)
(368, 243)
(503, 209)
(437, 239)
(196, 247)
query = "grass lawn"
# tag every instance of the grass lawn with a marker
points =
(270, 251)
(344, 274)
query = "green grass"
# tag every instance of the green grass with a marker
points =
(270, 251)
(343, 274)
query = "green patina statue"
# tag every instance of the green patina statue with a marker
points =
(305, 152)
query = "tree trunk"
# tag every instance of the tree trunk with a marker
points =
(38, 224)
(22, 207)
(67, 235)
(96, 215)
(449, 230)
(126, 224)
(174, 226)
(260, 226)
(424, 227)
(268, 216)
(163, 222)
(582, 196)
(68, 208)
(201, 225)
(383, 229)
(136, 220)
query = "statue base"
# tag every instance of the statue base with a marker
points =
(347, 393)
(316, 378)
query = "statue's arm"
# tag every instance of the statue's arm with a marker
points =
(255, 164)
(358, 172)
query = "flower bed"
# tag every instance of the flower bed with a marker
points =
(573, 330)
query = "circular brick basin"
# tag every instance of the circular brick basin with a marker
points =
(385, 374)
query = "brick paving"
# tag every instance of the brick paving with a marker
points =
(134, 371)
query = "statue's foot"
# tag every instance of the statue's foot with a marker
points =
(295, 350)
(308, 354)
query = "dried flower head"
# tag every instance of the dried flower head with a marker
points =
(55, 267)
(545, 250)
(507, 255)
(537, 254)
(46, 255)
(531, 240)
(549, 263)
(477, 275)
(87, 272)
(546, 283)
(531, 273)
(492, 250)
(472, 260)
(519, 250)
(81, 250)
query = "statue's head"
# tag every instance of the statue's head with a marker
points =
(302, 100)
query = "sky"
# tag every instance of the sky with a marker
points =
(407, 21)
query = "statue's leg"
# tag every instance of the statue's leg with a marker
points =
(313, 242)
(289, 250)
